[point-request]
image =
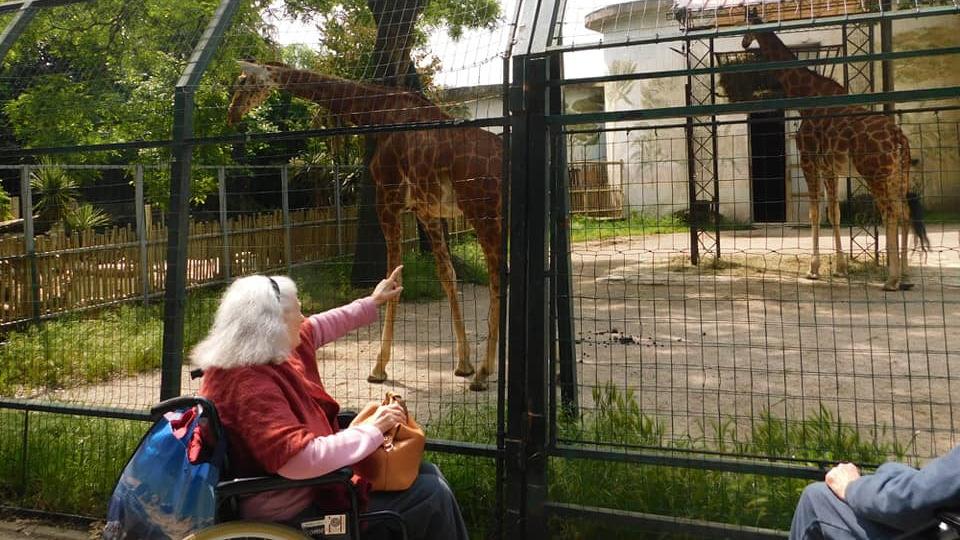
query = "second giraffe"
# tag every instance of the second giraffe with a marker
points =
(830, 138)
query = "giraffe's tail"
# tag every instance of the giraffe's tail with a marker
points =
(916, 219)
(913, 198)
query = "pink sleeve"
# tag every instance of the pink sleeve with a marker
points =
(332, 324)
(326, 454)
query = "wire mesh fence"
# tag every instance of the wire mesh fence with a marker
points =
(292, 119)
(712, 319)
(330, 143)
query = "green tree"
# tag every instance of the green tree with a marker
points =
(105, 72)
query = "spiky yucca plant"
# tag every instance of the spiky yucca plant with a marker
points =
(6, 206)
(54, 191)
(85, 217)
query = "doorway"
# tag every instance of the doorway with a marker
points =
(768, 166)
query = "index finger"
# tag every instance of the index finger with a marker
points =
(396, 271)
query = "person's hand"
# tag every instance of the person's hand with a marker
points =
(388, 417)
(388, 289)
(839, 477)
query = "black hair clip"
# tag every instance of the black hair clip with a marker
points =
(276, 288)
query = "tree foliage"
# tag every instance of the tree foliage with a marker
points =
(105, 72)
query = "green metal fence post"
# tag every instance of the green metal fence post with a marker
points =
(528, 303)
(176, 281)
(141, 233)
(562, 312)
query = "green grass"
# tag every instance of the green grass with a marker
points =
(95, 346)
(128, 339)
(617, 420)
(584, 229)
(742, 499)
(940, 216)
(72, 463)
(472, 478)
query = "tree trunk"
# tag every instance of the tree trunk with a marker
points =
(391, 65)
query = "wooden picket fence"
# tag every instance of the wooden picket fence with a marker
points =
(97, 268)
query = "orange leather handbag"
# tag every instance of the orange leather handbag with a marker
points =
(395, 465)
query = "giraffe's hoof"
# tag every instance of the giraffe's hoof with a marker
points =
(478, 386)
(376, 378)
(813, 275)
(840, 273)
(464, 371)
(888, 286)
(905, 286)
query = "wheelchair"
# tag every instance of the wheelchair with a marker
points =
(348, 523)
(946, 526)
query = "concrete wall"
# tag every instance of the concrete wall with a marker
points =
(656, 171)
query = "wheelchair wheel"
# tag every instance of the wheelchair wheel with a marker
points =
(235, 530)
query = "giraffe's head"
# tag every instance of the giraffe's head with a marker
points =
(252, 88)
(750, 37)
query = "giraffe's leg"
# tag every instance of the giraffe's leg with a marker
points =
(448, 280)
(891, 221)
(833, 212)
(905, 282)
(393, 233)
(811, 174)
(488, 233)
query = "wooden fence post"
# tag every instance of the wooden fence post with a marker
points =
(26, 200)
(141, 232)
(338, 205)
(285, 186)
(224, 224)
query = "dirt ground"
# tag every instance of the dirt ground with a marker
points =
(698, 346)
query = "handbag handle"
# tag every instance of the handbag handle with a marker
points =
(389, 398)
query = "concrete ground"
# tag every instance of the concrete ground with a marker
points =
(13, 527)
(699, 347)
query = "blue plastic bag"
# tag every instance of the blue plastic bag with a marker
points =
(161, 494)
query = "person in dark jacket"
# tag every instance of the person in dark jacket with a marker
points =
(894, 499)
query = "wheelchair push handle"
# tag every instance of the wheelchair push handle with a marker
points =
(185, 402)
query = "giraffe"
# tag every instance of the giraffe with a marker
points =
(830, 138)
(436, 173)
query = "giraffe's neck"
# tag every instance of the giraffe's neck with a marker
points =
(796, 82)
(358, 103)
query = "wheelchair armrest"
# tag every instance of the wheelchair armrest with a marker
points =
(950, 517)
(259, 484)
(345, 417)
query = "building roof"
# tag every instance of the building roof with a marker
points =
(712, 13)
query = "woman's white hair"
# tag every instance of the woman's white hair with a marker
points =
(250, 327)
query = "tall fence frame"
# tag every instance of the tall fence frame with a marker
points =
(538, 231)
(538, 345)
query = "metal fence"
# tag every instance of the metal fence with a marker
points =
(137, 199)
(696, 371)
(664, 364)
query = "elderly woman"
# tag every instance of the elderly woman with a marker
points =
(260, 370)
